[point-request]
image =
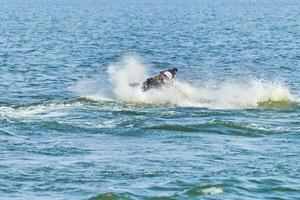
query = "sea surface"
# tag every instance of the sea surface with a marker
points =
(72, 127)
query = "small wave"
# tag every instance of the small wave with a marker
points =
(241, 127)
(6, 133)
(110, 196)
(61, 127)
(95, 99)
(179, 128)
(221, 127)
(58, 150)
(281, 189)
(212, 191)
(205, 190)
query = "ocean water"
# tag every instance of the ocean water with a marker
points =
(71, 127)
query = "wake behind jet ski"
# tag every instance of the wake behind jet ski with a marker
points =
(159, 80)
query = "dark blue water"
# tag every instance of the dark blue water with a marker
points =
(71, 127)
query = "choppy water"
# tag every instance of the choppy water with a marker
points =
(72, 128)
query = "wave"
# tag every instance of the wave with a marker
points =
(252, 93)
(77, 115)
(40, 111)
(112, 196)
(194, 192)
(6, 133)
(206, 189)
(222, 127)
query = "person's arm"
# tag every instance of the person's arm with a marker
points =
(161, 75)
(174, 77)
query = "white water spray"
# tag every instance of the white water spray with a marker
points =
(228, 95)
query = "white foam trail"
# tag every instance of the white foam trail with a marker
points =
(36, 112)
(55, 111)
(227, 95)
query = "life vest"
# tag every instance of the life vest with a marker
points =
(168, 75)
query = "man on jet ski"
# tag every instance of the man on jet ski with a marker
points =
(160, 79)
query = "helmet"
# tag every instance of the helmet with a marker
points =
(175, 69)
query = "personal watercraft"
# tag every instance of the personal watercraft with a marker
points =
(149, 84)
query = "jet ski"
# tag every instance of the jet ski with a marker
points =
(165, 77)
(150, 83)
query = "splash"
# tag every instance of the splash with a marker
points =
(121, 75)
(226, 95)
(248, 94)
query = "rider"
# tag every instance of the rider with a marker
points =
(169, 74)
(166, 75)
